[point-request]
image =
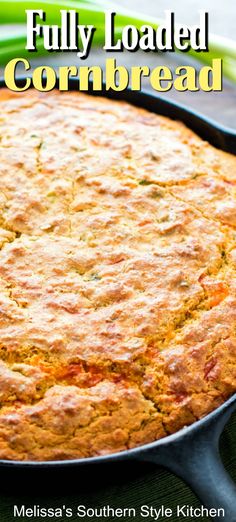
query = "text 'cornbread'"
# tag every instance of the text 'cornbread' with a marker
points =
(117, 276)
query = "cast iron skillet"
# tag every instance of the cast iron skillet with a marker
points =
(193, 452)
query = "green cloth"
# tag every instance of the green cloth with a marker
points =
(122, 486)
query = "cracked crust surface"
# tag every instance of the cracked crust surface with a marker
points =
(117, 276)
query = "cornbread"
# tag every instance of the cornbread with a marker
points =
(117, 276)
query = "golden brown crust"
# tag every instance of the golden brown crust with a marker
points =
(117, 276)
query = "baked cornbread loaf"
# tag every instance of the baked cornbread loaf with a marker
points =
(117, 276)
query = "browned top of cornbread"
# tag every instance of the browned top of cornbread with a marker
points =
(117, 276)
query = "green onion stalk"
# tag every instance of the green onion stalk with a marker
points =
(92, 11)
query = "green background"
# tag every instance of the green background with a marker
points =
(126, 485)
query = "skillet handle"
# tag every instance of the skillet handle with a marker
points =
(202, 469)
(195, 458)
